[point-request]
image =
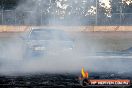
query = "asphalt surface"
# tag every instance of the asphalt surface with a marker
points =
(55, 80)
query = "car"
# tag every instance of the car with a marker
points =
(47, 42)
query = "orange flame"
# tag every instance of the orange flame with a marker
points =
(84, 74)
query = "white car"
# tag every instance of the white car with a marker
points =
(41, 42)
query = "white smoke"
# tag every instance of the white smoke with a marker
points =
(13, 62)
(85, 46)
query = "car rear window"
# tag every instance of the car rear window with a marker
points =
(41, 35)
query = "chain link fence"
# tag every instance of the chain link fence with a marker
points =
(11, 17)
(119, 16)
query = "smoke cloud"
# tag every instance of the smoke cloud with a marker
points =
(83, 55)
(12, 49)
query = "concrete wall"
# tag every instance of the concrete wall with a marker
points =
(5, 28)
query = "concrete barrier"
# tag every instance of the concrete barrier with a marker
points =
(6, 28)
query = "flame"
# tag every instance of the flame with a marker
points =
(84, 74)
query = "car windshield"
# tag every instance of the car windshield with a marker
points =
(41, 35)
